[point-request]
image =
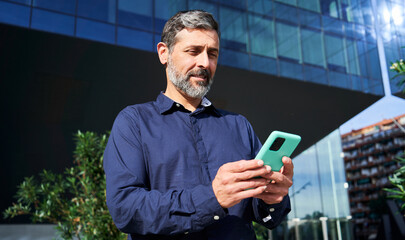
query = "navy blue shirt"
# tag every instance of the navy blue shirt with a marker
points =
(160, 161)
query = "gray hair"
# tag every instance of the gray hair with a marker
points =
(193, 19)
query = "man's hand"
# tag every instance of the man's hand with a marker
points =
(281, 181)
(235, 181)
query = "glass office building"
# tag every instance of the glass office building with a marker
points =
(330, 42)
(338, 43)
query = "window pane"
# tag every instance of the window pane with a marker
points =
(288, 45)
(315, 74)
(286, 12)
(241, 4)
(135, 13)
(357, 83)
(374, 68)
(313, 48)
(14, 14)
(95, 31)
(165, 9)
(355, 13)
(352, 57)
(290, 2)
(209, 7)
(66, 6)
(103, 10)
(335, 53)
(263, 64)
(233, 29)
(367, 13)
(338, 79)
(264, 7)
(135, 39)
(332, 25)
(312, 5)
(234, 59)
(310, 19)
(291, 70)
(330, 8)
(27, 2)
(361, 48)
(262, 36)
(52, 22)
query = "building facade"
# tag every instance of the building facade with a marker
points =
(369, 156)
(313, 64)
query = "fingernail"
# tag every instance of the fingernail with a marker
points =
(260, 162)
(268, 168)
(264, 187)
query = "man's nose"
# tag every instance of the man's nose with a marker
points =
(203, 60)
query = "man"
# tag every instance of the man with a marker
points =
(174, 166)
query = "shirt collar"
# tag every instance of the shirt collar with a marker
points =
(165, 104)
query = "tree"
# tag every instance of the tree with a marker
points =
(74, 200)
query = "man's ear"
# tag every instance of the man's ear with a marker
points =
(163, 52)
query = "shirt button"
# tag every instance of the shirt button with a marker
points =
(271, 209)
(186, 233)
(216, 217)
(177, 105)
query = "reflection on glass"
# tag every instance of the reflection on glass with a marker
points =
(288, 45)
(66, 6)
(103, 10)
(14, 14)
(135, 39)
(312, 5)
(309, 19)
(233, 29)
(233, 58)
(335, 53)
(164, 9)
(52, 22)
(352, 57)
(206, 6)
(95, 30)
(135, 13)
(262, 37)
(286, 12)
(263, 64)
(315, 74)
(313, 40)
(264, 7)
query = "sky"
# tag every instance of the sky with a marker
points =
(385, 108)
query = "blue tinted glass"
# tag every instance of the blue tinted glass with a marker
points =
(355, 12)
(374, 69)
(234, 59)
(262, 37)
(206, 6)
(264, 7)
(312, 5)
(52, 22)
(332, 25)
(135, 13)
(313, 47)
(95, 31)
(359, 31)
(66, 6)
(370, 35)
(263, 64)
(376, 87)
(367, 12)
(288, 45)
(315, 74)
(103, 10)
(233, 29)
(286, 12)
(357, 83)
(352, 57)
(165, 9)
(330, 8)
(310, 19)
(14, 14)
(339, 80)
(362, 53)
(135, 39)
(289, 2)
(291, 70)
(306, 184)
(335, 53)
(241, 4)
(27, 2)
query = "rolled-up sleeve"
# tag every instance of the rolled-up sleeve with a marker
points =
(134, 207)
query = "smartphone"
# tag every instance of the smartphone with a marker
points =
(278, 145)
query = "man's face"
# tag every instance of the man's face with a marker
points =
(192, 63)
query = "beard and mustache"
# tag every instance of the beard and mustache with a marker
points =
(183, 83)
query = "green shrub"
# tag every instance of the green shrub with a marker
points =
(75, 200)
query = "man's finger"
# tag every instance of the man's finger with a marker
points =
(244, 165)
(288, 168)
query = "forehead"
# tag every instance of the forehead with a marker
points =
(197, 37)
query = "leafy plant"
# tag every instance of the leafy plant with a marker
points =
(74, 200)
(399, 67)
(398, 180)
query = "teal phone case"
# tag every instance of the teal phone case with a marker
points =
(273, 157)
